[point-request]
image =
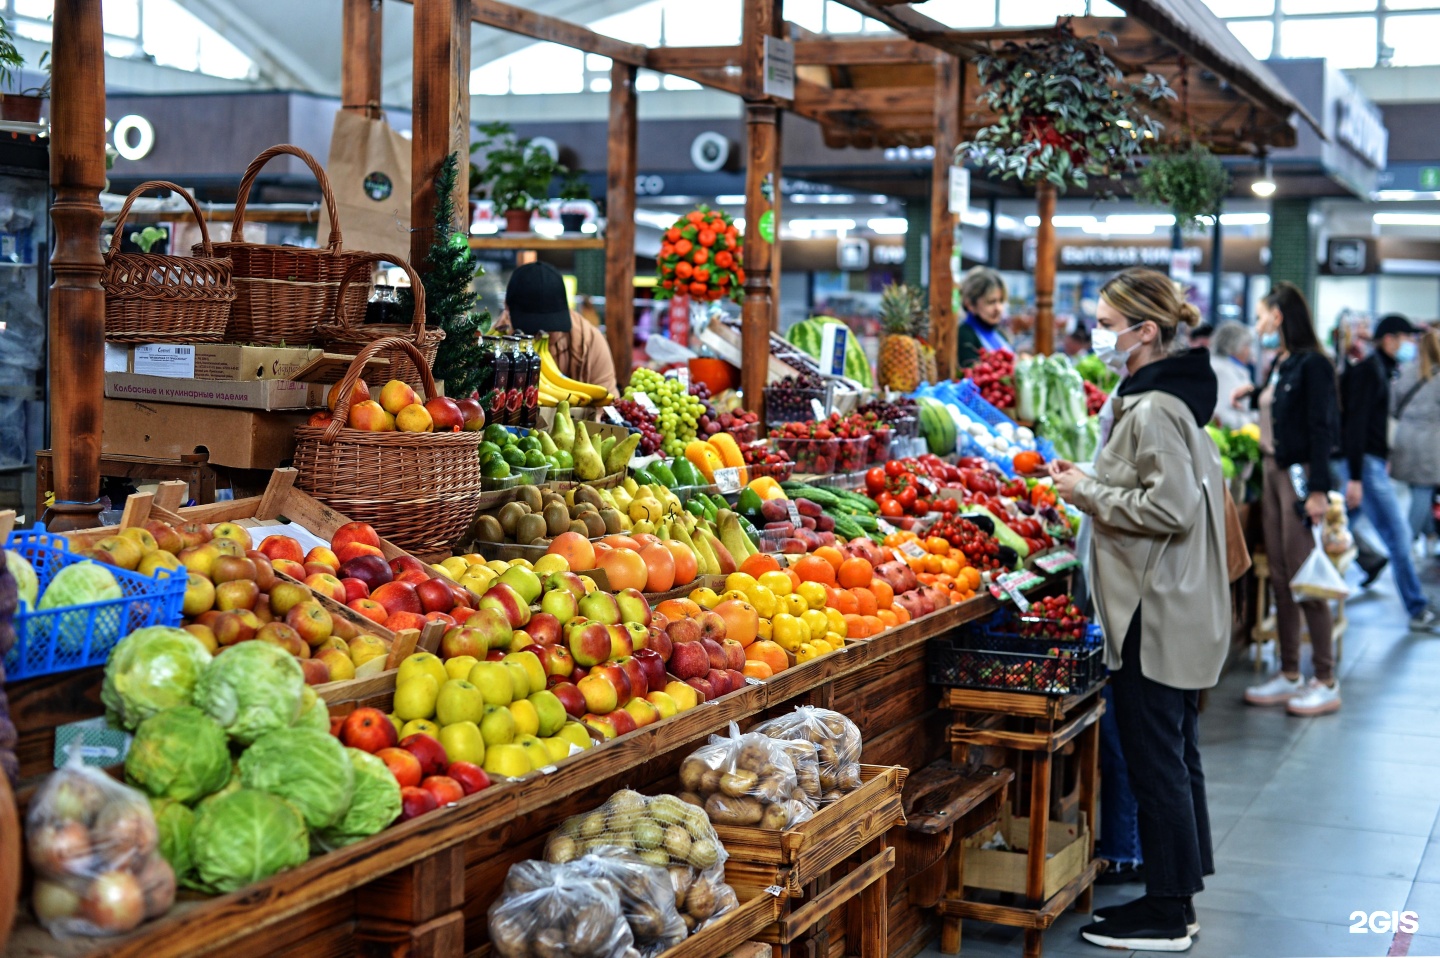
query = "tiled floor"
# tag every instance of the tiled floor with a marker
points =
(1313, 818)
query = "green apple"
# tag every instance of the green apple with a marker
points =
(519, 679)
(558, 747)
(463, 743)
(536, 750)
(494, 682)
(460, 666)
(523, 581)
(507, 761)
(534, 670)
(422, 663)
(575, 733)
(527, 719)
(422, 726)
(459, 701)
(662, 701)
(549, 711)
(497, 726)
(415, 697)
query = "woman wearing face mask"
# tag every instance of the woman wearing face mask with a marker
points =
(982, 293)
(1415, 453)
(1159, 577)
(1299, 426)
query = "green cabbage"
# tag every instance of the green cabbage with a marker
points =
(80, 584)
(307, 767)
(376, 803)
(151, 670)
(180, 753)
(26, 581)
(245, 837)
(175, 821)
(251, 689)
(314, 713)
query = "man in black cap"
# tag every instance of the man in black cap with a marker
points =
(1365, 449)
(536, 305)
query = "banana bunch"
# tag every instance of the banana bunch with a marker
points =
(555, 386)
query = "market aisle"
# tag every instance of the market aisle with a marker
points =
(1314, 818)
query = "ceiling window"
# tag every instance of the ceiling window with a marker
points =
(1326, 6)
(1024, 13)
(1412, 38)
(1344, 41)
(1258, 36)
(1241, 8)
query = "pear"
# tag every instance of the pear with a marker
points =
(588, 465)
(547, 445)
(563, 429)
(619, 456)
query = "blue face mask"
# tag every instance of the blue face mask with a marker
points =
(1406, 353)
(1270, 340)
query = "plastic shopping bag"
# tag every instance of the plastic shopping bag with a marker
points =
(1318, 580)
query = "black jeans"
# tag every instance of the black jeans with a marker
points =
(1160, 736)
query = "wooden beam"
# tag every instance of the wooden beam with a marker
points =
(885, 100)
(77, 302)
(620, 222)
(677, 60)
(943, 331)
(762, 192)
(441, 108)
(360, 58)
(862, 52)
(1045, 262)
(539, 26)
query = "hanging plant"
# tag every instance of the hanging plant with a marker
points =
(1064, 113)
(1190, 182)
(700, 256)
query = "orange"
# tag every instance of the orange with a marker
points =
(933, 563)
(757, 670)
(864, 601)
(949, 566)
(855, 627)
(972, 577)
(759, 564)
(937, 545)
(831, 555)
(814, 568)
(795, 579)
(888, 617)
(901, 614)
(742, 622)
(847, 603)
(884, 594)
(873, 624)
(576, 549)
(832, 595)
(916, 563)
(677, 609)
(855, 573)
(925, 578)
(893, 540)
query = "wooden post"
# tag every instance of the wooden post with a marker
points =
(620, 222)
(943, 331)
(360, 33)
(758, 309)
(1045, 255)
(77, 303)
(441, 115)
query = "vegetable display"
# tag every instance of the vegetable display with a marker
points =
(179, 754)
(151, 670)
(245, 836)
(252, 689)
(307, 768)
(701, 256)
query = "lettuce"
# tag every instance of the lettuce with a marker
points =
(376, 803)
(307, 767)
(151, 670)
(244, 837)
(251, 689)
(180, 753)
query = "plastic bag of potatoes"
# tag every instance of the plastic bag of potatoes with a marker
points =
(837, 745)
(546, 911)
(662, 831)
(646, 896)
(747, 780)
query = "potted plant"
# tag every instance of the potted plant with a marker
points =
(516, 175)
(572, 211)
(24, 106)
(1190, 181)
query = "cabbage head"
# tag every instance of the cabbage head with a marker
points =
(376, 803)
(180, 753)
(245, 837)
(314, 713)
(26, 582)
(174, 820)
(152, 669)
(251, 689)
(80, 584)
(306, 767)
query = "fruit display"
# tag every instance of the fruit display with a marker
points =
(398, 408)
(93, 844)
(1053, 617)
(853, 513)
(646, 423)
(994, 374)
(741, 424)
(556, 388)
(834, 444)
(809, 336)
(907, 487)
(751, 780)
(906, 359)
(701, 256)
(837, 745)
(789, 399)
(779, 532)
(980, 549)
(546, 912)
(678, 411)
(536, 516)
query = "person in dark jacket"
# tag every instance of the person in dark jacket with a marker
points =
(1365, 450)
(1299, 430)
(982, 293)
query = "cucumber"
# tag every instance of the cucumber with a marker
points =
(663, 475)
(1005, 535)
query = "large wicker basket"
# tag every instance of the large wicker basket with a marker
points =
(159, 298)
(418, 489)
(283, 292)
(345, 337)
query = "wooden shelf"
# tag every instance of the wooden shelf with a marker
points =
(536, 241)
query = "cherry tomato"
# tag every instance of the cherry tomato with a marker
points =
(907, 497)
(922, 506)
(875, 480)
(891, 509)
(894, 468)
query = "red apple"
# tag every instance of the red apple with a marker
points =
(500, 596)
(544, 628)
(352, 550)
(371, 609)
(719, 680)
(235, 626)
(429, 751)
(282, 547)
(444, 618)
(435, 595)
(473, 414)
(689, 660)
(407, 563)
(414, 802)
(716, 653)
(327, 585)
(289, 567)
(472, 778)
(683, 630)
(462, 641)
(734, 655)
(622, 721)
(399, 621)
(737, 679)
(361, 532)
(445, 414)
(312, 620)
(446, 790)
(557, 660)
(318, 673)
(653, 666)
(402, 764)
(712, 626)
(706, 691)
(355, 589)
(614, 673)
(659, 641)
(321, 568)
(570, 697)
(635, 672)
(323, 554)
(398, 597)
(264, 570)
(372, 570)
(369, 730)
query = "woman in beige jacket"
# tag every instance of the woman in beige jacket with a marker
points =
(1159, 578)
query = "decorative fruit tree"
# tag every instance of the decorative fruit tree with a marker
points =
(1065, 115)
(700, 257)
(1188, 180)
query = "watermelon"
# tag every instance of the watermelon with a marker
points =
(936, 426)
(807, 334)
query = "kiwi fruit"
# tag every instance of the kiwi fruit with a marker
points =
(530, 495)
(489, 529)
(557, 520)
(583, 507)
(594, 525)
(578, 525)
(611, 518)
(509, 517)
(529, 528)
(549, 496)
(588, 494)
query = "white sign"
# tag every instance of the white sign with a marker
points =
(779, 68)
(144, 137)
(727, 480)
(959, 189)
(646, 403)
(833, 340)
(853, 254)
(1181, 266)
(165, 359)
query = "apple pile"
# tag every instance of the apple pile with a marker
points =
(399, 409)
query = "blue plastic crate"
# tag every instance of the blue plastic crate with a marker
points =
(77, 636)
(978, 408)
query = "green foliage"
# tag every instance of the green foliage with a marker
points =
(516, 174)
(1189, 182)
(1064, 113)
(11, 59)
(574, 186)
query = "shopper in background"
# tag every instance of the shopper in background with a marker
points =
(1299, 427)
(983, 295)
(1200, 336)
(1365, 449)
(1232, 358)
(1077, 340)
(1159, 577)
(1415, 453)
(536, 304)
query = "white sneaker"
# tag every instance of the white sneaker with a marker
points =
(1277, 691)
(1319, 699)
(1426, 621)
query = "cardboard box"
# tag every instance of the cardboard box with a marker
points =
(264, 394)
(239, 438)
(1067, 854)
(210, 361)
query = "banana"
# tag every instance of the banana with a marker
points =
(551, 372)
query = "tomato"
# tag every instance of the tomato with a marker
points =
(906, 497)
(891, 509)
(947, 506)
(875, 481)
(922, 506)
(894, 468)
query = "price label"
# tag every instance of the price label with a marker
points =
(613, 414)
(1018, 597)
(775, 891)
(793, 511)
(682, 374)
(647, 404)
(1057, 561)
(727, 480)
(817, 409)
(928, 484)
(884, 527)
(912, 549)
(751, 680)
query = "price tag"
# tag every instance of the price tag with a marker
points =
(817, 409)
(928, 484)
(548, 770)
(727, 480)
(613, 414)
(1021, 603)
(775, 891)
(793, 511)
(647, 404)
(751, 680)
(884, 527)
(913, 550)
(682, 374)
(1057, 562)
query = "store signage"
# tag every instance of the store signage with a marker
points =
(134, 137)
(1349, 256)
(959, 190)
(889, 255)
(779, 68)
(1181, 266)
(649, 185)
(853, 254)
(710, 151)
(1360, 126)
(1122, 256)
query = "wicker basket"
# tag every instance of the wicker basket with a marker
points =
(343, 337)
(283, 292)
(418, 489)
(158, 298)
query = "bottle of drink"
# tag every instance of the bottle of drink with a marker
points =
(530, 400)
(384, 305)
(486, 370)
(495, 399)
(515, 392)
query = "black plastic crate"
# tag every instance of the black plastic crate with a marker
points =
(1013, 664)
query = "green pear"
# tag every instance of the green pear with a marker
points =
(588, 465)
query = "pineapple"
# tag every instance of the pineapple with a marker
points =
(901, 356)
(928, 370)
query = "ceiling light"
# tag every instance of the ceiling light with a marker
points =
(1388, 196)
(1107, 228)
(974, 217)
(1244, 219)
(1265, 186)
(820, 225)
(731, 199)
(889, 225)
(1032, 221)
(1407, 219)
(1072, 222)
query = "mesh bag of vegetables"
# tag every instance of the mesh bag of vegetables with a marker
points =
(836, 740)
(745, 780)
(645, 894)
(546, 911)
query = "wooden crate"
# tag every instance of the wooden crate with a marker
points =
(760, 859)
(730, 931)
(1067, 854)
(843, 894)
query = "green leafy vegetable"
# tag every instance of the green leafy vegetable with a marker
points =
(175, 821)
(244, 837)
(252, 689)
(376, 803)
(180, 753)
(309, 768)
(152, 669)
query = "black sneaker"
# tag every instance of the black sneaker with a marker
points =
(1373, 573)
(1149, 924)
(1122, 873)
(1192, 924)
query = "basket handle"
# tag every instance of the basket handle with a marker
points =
(417, 289)
(352, 376)
(237, 227)
(160, 185)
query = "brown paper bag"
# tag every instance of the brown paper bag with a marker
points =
(369, 172)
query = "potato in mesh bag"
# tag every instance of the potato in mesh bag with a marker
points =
(571, 916)
(646, 895)
(837, 745)
(746, 780)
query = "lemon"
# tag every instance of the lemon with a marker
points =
(525, 562)
(817, 621)
(743, 581)
(704, 597)
(788, 632)
(729, 594)
(813, 594)
(764, 601)
(762, 631)
(796, 605)
(836, 641)
(837, 622)
(806, 652)
(822, 646)
(777, 582)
